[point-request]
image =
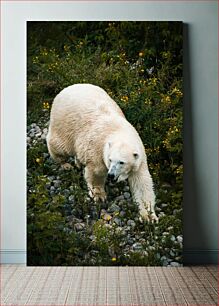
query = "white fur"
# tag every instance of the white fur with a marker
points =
(86, 123)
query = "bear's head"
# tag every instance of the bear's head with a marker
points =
(120, 159)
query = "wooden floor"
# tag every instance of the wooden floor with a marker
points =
(122, 286)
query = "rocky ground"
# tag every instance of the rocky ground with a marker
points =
(112, 229)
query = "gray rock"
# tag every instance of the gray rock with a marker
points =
(79, 226)
(172, 253)
(119, 198)
(66, 192)
(71, 198)
(52, 188)
(45, 155)
(31, 135)
(164, 205)
(137, 246)
(33, 125)
(126, 188)
(179, 239)
(45, 131)
(117, 221)
(92, 237)
(175, 264)
(131, 223)
(127, 195)
(114, 208)
(172, 238)
(38, 134)
(122, 213)
(161, 214)
(57, 183)
(151, 248)
(43, 136)
(170, 228)
(28, 139)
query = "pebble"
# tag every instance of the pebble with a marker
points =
(164, 205)
(71, 198)
(117, 221)
(179, 239)
(161, 214)
(79, 226)
(175, 264)
(151, 247)
(127, 195)
(172, 238)
(126, 188)
(119, 198)
(92, 237)
(172, 253)
(122, 213)
(114, 208)
(137, 246)
(131, 223)
(57, 183)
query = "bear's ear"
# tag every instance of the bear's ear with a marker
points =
(136, 155)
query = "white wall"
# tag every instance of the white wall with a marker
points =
(200, 131)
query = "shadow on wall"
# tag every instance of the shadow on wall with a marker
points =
(193, 230)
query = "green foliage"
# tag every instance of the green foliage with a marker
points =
(140, 65)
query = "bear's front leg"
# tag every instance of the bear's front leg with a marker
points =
(141, 186)
(95, 182)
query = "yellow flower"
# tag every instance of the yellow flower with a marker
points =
(177, 92)
(66, 47)
(114, 259)
(46, 105)
(38, 160)
(124, 98)
(140, 54)
(166, 99)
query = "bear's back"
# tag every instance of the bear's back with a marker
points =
(86, 98)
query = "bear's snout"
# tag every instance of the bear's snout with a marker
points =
(111, 177)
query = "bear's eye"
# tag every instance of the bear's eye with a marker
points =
(121, 163)
(110, 160)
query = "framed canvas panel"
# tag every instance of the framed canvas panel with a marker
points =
(104, 143)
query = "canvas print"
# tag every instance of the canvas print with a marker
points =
(104, 143)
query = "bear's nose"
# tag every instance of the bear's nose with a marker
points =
(111, 177)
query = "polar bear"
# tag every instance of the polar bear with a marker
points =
(86, 123)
